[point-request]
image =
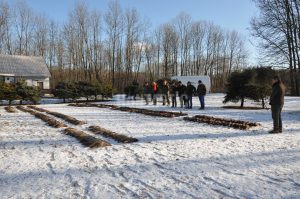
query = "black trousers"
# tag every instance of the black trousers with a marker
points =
(276, 116)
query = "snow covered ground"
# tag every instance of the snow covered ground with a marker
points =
(173, 158)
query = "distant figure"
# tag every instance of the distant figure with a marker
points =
(165, 93)
(173, 90)
(276, 102)
(181, 93)
(201, 91)
(190, 91)
(154, 92)
(147, 92)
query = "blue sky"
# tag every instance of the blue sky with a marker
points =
(229, 14)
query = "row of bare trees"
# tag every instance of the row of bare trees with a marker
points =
(278, 27)
(119, 45)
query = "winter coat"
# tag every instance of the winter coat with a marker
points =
(201, 89)
(277, 96)
(147, 89)
(181, 90)
(154, 89)
(173, 90)
(190, 90)
(165, 89)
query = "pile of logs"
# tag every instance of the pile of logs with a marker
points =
(133, 110)
(86, 139)
(107, 133)
(67, 118)
(10, 109)
(151, 112)
(50, 121)
(238, 124)
(94, 105)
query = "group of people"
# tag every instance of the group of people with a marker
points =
(186, 93)
(174, 90)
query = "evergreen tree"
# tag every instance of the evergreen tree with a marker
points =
(8, 92)
(239, 87)
(66, 90)
(28, 93)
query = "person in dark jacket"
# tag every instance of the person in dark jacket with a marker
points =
(190, 91)
(147, 92)
(181, 93)
(165, 93)
(173, 90)
(201, 91)
(276, 102)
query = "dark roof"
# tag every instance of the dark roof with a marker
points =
(23, 66)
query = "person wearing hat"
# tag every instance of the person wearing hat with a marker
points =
(276, 102)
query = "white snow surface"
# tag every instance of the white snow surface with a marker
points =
(173, 158)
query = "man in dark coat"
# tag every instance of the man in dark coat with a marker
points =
(181, 93)
(201, 91)
(190, 91)
(147, 92)
(173, 90)
(276, 102)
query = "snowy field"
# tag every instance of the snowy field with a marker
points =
(173, 158)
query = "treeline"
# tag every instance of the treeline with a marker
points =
(278, 28)
(120, 46)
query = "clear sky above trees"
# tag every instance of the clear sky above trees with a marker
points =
(231, 14)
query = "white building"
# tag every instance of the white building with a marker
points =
(194, 80)
(31, 69)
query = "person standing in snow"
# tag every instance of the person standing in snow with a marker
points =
(165, 93)
(201, 91)
(276, 102)
(147, 92)
(190, 91)
(173, 90)
(181, 93)
(154, 92)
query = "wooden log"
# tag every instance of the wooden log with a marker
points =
(67, 118)
(10, 109)
(107, 133)
(50, 121)
(86, 139)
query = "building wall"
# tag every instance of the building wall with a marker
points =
(33, 81)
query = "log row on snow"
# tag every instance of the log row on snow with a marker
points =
(107, 133)
(134, 110)
(243, 125)
(86, 139)
(10, 109)
(50, 121)
(67, 118)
